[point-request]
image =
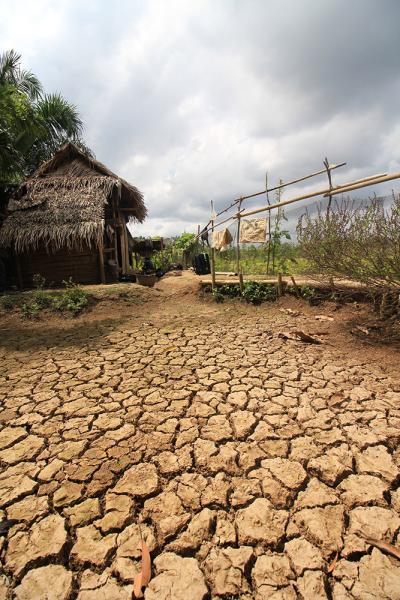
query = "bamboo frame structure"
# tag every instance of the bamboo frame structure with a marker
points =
(277, 187)
(326, 192)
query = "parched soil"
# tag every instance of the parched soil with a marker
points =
(253, 466)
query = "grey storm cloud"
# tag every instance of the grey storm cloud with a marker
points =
(193, 101)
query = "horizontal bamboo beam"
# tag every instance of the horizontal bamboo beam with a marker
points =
(356, 185)
(345, 188)
(273, 189)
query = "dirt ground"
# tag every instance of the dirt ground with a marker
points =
(246, 461)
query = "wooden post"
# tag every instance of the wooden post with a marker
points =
(280, 285)
(238, 267)
(19, 271)
(101, 262)
(296, 287)
(212, 248)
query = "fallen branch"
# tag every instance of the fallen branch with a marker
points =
(299, 336)
(384, 546)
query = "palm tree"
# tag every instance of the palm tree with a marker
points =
(33, 125)
(22, 81)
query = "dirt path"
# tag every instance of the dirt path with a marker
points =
(245, 461)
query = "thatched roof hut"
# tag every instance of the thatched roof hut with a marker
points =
(72, 204)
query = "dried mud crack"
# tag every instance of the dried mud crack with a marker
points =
(245, 461)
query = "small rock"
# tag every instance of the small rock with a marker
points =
(370, 522)
(243, 422)
(52, 582)
(102, 586)
(50, 470)
(11, 435)
(312, 586)
(92, 547)
(140, 480)
(25, 450)
(288, 472)
(363, 489)
(334, 463)
(376, 460)
(177, 578)
(322, 527)
(315, 494)
(303, 555)
(379, 577)
(29, 508)
(261, 523)
(270, 573)
(45, 539)
(167, 513)
(67, 494)
(225, 570)
(198, 531)
(82, 513)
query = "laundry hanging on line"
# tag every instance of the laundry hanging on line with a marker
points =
(221, 239)
(253, 231)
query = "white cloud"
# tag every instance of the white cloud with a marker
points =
(193, 101)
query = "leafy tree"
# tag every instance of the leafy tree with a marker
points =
(33, 124)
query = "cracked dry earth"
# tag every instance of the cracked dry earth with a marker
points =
(245, 461)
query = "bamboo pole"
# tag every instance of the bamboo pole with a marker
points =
(280, 285)
(101, 263)
(212, 248)
(355, 186)
(238, 267)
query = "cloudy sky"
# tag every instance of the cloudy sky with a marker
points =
(196, 100)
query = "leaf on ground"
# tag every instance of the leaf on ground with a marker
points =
(333, 563)
(143, 578)
(324, 318)
(299, 336)
(384, 546)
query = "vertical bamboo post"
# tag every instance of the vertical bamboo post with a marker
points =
(280, 285)
(212, 248)
(101, 262)
(238, 266)
(328, 172)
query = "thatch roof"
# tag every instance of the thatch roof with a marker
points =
(63, 203)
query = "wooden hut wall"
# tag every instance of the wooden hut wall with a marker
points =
(82, 265)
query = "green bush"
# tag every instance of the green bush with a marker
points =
(218, 297)
(7, 302)
(43, 299)
(256, 292)
(30, 311)
(73, 300)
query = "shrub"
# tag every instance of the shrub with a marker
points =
(30, 311)
(256, 292)
(43, 299)
(73, 300)
(218, 297)
(38, 281)
(7, 302)
(357, 242)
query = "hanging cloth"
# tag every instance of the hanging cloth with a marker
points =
(221, 239)
(253, 231)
